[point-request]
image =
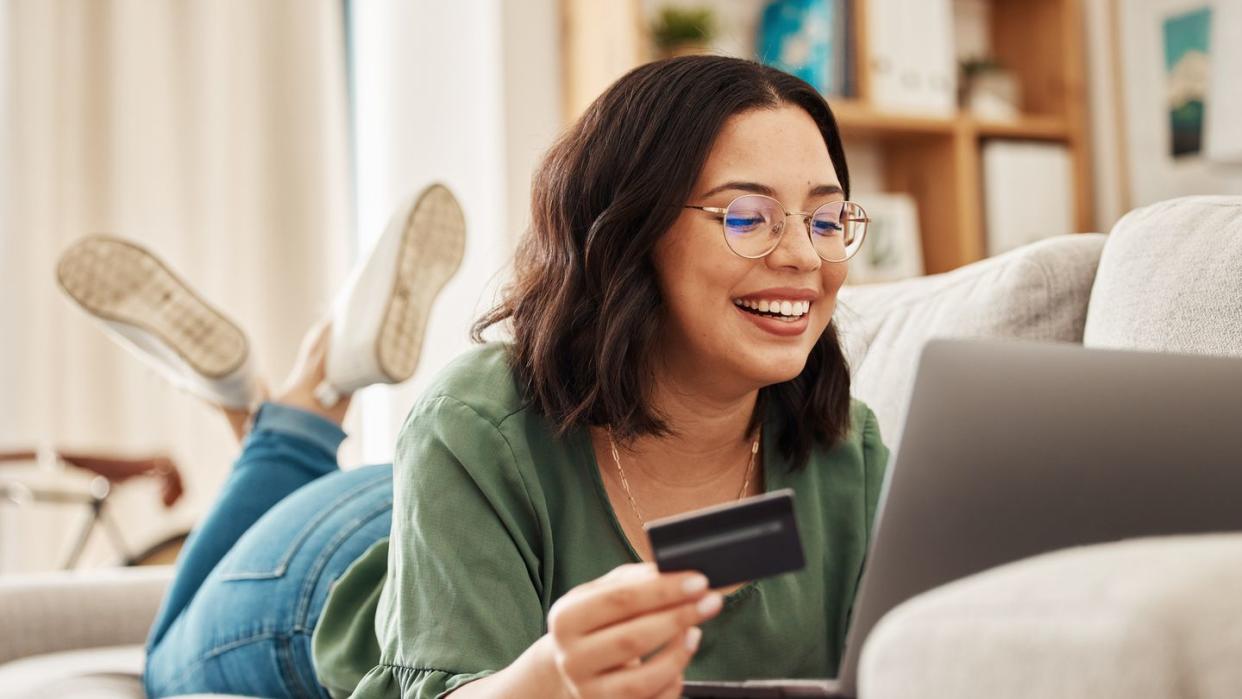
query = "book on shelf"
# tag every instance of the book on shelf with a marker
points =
(911, 56)
(1027, 193)
(807, 38)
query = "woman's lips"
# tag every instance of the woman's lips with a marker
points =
(781, 328)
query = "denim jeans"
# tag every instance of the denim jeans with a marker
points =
(251, 581)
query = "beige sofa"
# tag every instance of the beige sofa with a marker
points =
(1108, 621)
(1148, 618)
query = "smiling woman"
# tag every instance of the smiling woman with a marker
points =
(673, 348)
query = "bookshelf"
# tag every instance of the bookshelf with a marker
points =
(935, 159)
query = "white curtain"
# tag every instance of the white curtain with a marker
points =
(466, 93)
(215, 133)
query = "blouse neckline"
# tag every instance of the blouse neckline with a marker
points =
(769, 483)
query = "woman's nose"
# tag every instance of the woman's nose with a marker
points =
(795, 248)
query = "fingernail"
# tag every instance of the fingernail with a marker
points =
(693, 584)
(692, 638)
(710, 604)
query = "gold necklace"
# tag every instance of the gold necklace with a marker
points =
(616, 459)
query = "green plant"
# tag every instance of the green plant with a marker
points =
(676, 25)
(973, 67)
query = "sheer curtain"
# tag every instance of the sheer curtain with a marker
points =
(215, 133)
(467, 93)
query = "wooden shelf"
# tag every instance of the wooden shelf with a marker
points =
(935, 159)
(1034, 127)
(857, 118)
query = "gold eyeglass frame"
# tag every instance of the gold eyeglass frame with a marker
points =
(806, 224)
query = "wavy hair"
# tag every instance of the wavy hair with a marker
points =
(584, 304)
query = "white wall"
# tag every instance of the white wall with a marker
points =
(466, 93)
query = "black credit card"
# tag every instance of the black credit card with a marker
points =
(747, 540)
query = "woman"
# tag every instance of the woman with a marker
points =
(672, 349)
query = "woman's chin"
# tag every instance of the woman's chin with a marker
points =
(778, 370)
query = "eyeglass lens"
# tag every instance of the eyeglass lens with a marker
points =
(753, 225)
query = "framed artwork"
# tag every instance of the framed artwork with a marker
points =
(891, 250)
(1178, 65)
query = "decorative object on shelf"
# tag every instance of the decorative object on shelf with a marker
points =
(893, 249)
(807, 38)
(1178, 67)
(679, 31)
(989, 91)
(911, 56)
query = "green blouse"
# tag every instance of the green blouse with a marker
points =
(495, 518)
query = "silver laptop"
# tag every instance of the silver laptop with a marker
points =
(1012, 449)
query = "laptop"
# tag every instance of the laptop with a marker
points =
(1015, 448)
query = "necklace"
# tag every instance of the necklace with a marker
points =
(616, 459)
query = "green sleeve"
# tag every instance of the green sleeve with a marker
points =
(875, 464)
(462, 595)
(343, 644)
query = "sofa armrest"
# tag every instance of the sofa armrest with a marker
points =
(49, 612)
(1145, 618)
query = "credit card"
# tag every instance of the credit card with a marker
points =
(750, 539)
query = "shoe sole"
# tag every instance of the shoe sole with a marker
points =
(123, 282)
(432, 247)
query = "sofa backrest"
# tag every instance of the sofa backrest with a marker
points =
(1037, 292)
(1170, 279)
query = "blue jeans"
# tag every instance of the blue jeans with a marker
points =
(252, 578)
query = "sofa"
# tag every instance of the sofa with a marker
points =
(1136, 619)
(1113, 620)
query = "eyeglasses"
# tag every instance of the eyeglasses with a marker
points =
(753, 225)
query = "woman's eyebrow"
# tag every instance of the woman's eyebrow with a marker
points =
(824, 190)
(821, 190)
(753, 187)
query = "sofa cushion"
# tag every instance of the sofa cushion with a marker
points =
(1170, 279)
(1036, 292)
(98, 673)
(110, 672)
(65, 610)
(1143, 618)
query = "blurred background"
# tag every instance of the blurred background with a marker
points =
(259, 147)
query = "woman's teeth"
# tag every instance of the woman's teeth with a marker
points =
(775, 308)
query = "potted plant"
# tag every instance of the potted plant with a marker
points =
(988, 90)
(679, 31)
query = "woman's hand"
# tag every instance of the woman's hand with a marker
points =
(601, 630)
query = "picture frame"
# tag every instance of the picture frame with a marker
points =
(1171, 55)
(892, 249)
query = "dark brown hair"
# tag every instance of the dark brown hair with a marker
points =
(585, 305)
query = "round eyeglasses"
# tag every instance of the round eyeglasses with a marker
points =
(753, 225)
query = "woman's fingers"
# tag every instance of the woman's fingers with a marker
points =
(601, 631)
(655, 677)
(673, 691)
(590, 607)
(615, 645)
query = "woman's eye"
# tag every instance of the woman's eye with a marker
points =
(743, 223)
(820, 227)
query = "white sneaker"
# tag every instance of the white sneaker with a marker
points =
(151, 312)
(379, 318)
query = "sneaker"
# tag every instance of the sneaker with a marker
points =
(379, 318)
(150, 311)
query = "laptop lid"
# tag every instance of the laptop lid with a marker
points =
(1012, 449)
